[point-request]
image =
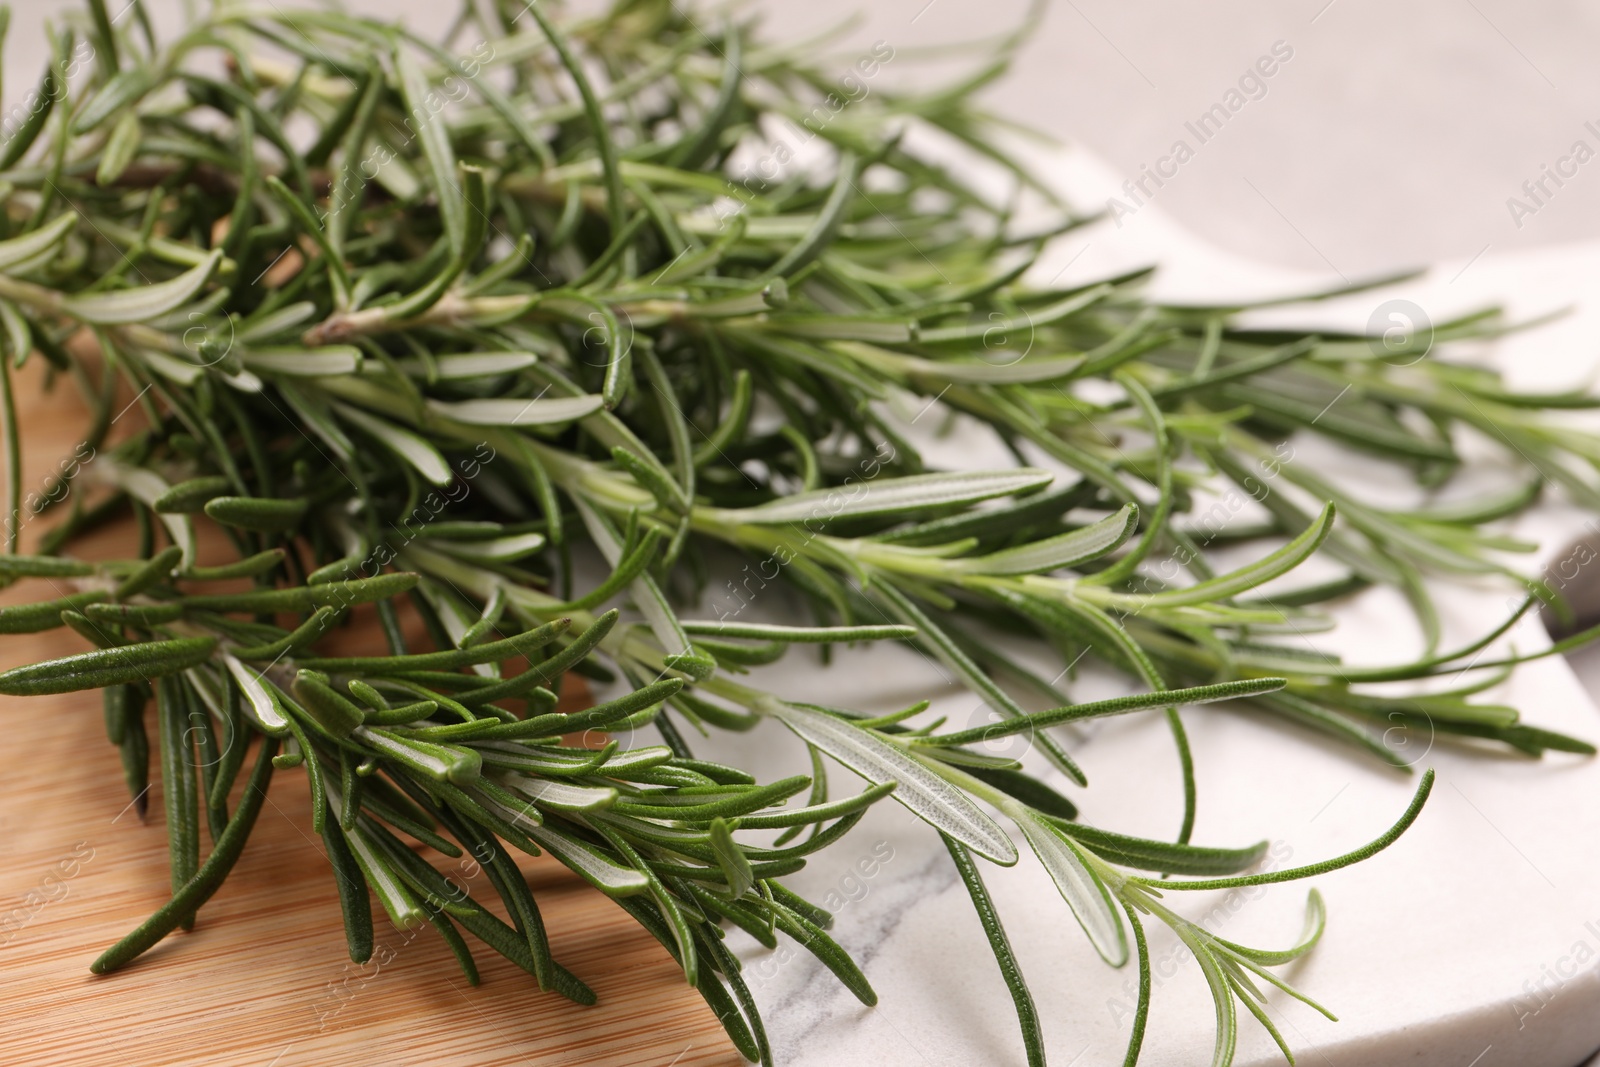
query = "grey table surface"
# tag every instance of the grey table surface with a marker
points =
(1393, 135)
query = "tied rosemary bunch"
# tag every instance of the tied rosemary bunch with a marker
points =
(494, 332)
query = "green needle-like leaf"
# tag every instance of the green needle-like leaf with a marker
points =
(922, 791)
(145, 302)
(1084, 891)
(107, 666)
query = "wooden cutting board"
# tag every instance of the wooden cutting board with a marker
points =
(264, 977)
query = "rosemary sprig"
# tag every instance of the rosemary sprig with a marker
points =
(551, 290)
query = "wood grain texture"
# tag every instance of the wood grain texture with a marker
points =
(264, 977)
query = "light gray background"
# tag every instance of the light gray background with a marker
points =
(1393, 137)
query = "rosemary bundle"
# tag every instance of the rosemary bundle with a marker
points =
(474, 338)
